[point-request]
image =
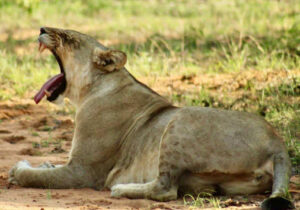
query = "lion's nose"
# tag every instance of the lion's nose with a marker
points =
(42, 30)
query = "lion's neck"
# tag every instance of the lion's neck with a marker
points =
(122, 88)
(79, 83)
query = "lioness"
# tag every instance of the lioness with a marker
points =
(130, 139)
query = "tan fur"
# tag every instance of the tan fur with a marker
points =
(130, 139)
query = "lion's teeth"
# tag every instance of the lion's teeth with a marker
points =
(47, 93)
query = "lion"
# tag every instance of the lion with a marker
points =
(133, 141)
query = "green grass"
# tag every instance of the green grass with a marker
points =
(170, 36)
(49, 194)
(167, 38)
(203, 200)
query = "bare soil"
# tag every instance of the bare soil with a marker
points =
(40, 133)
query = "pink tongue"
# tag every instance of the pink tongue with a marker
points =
(49, 86)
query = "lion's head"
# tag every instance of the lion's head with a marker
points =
(82, 60)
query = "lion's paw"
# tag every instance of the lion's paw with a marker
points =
(116, 191)
(12, 179)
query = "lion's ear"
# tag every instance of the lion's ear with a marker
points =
(109, 60)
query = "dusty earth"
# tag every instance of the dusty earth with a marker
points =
(40, 133)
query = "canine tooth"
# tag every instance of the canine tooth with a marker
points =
(48, 94)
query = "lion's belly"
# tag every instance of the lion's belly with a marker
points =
(256, 181)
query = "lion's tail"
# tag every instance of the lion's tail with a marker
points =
(280, 198)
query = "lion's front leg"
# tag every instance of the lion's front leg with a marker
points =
(50, 176)
(24, 164)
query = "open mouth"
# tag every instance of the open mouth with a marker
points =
(56, 84)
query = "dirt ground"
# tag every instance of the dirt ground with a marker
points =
(40, 133)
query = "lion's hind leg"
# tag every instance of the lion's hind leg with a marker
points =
(170, 167)
(163, 188)
(160, 189)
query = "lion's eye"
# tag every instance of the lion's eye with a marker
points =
(108, 61)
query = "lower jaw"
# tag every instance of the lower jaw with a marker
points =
(52, 88)
(59, 100)
(58, 91)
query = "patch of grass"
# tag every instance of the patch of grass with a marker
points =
(35, 134)
(201, 98)
(203, 200)
(36, 145)
(21, 75)
(46, 128)
(287, 121)
(49, 194)
(284, 114)
(160, 37)
(45, 143)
